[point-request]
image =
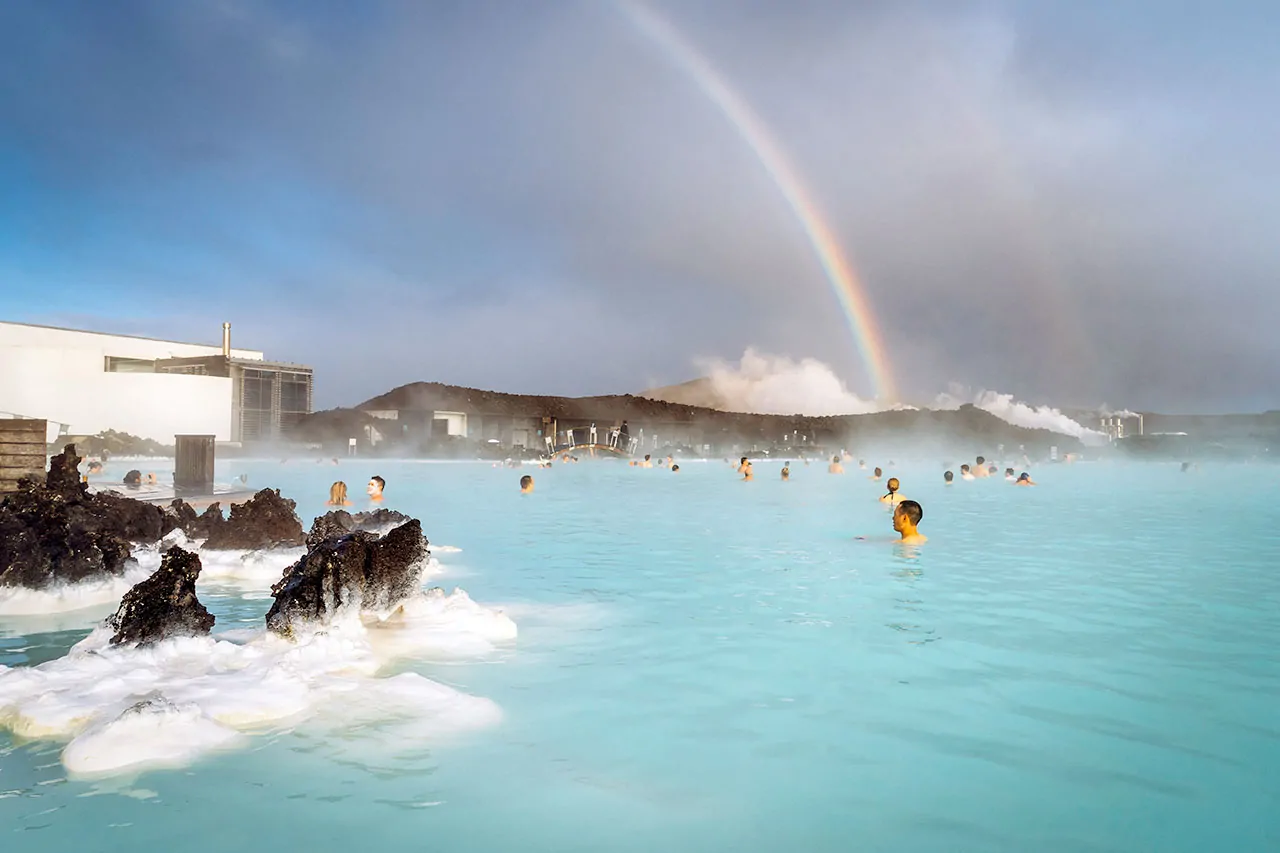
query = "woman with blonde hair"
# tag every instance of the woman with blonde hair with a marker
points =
(338, 495)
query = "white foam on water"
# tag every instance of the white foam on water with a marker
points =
(63, 598)
(204, 693)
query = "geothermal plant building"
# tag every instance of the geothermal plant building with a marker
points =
(84, 383)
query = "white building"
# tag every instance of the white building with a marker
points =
(88, 382)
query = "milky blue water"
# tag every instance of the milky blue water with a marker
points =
(1092, 664)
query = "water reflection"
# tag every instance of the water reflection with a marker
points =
(910, 572)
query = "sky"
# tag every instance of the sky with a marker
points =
(1074, 203)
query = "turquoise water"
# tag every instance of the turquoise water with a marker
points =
(706, 664)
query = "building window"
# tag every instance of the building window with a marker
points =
(116, 364)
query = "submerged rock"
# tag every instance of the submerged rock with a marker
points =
(358, 570)
(59, 532)
(164, 605)
(266, 520)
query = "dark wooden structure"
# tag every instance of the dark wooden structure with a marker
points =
(193, 463)
(22, 452)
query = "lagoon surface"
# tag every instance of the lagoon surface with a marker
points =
(1091, 664)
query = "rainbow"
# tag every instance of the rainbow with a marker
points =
(839, 272)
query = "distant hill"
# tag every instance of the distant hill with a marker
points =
(904, 432)
(696, 392)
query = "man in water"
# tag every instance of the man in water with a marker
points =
(375, 487)
(742, 465)
(965, 474)
(980, 469)
(746, 471)
(1025, 480)
(648, 462)
(1008, 474)
(893, 497)
(948, 478)
(786, 471)
(526, 484)
(675, 469)
(906, 516)
(835, 467)
(876, 475)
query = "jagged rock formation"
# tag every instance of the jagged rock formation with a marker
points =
(351, 570)
(164, 605)
(339, 522)
(180, 515)
(266, 520)
(59, 532)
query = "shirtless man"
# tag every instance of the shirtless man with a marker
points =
(786, 471)
(835, 467)
(876, 475)
(906, 516)
(948, 478)
(980, 469)
(965, 474)
(1025, 480)
(375, 487)
(526, 484)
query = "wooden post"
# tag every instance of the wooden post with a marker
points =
(22, 452)
(193, 463)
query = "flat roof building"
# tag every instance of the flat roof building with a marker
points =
(89, 382)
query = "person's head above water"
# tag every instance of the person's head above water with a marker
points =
(1008, 472)
(892, 485)
(878, 472)
(964, 469)
(646, 457)
(375, 487)
(906, 516)
(338, 494)
(742, 461)
(835, 460)
(948, 476)
(526, 484)
(981, 461)
(675, 469)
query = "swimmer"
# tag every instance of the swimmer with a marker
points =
(95, 467)
(1025, 480)
(647, 463)
(670, 460)
(526, 484)
(151, 479)
(742, 465)
(835, 467)
(1008, 474)
(948, 478)
(747, 473)
(786, 471)
(965, 473)
(893, 497)
(375, 487)
(862, 464)
(992, 470)
(338, 495)
(675, 469)
(980, 469)
(906, 516)
(133, 478)
(876, 474)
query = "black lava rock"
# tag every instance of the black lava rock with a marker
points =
(352, 570)
(164, 605)
(266, 520)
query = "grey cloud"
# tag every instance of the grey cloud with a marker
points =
(1044, 199)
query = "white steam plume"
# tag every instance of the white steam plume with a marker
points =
(777, 385)
(1021, 414)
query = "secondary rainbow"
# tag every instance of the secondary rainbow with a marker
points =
(839, 272)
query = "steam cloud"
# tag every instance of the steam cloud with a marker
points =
(778, 385)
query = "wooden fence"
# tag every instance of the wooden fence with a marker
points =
(22, 452)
